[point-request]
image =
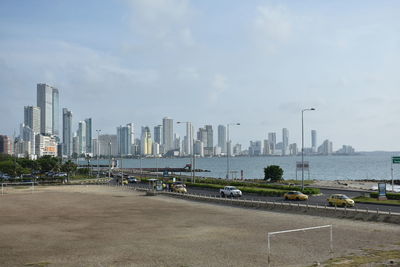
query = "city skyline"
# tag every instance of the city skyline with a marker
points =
(183, 62)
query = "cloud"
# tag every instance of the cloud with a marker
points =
(272, 25)
(219, 85)
(165, 21)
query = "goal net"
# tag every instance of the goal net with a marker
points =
(17, 187)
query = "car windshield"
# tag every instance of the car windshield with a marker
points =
(231, 188)
(343, 197)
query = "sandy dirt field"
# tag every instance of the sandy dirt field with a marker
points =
(100, 226)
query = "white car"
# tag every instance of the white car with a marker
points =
(230, 191)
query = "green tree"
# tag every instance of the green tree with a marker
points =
(48, 163)
(12, 168)
(69, 167)
(273, 173)
(33, 165)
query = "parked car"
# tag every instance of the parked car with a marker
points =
(133, 180)
(230, 191)
(295, 195)
(179, 188)
(340, 200)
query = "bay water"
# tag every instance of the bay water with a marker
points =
(333, 167)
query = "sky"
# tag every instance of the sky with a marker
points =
(258, 63)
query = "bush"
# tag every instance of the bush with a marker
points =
(273, 173)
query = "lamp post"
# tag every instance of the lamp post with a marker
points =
(193, 157)
(109, 162)
(227, 149)
(302, 145)
(98, 152)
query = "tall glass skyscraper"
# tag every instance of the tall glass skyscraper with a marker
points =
(168, 134)
(222, 138)
(47, 100)
(125, 139)
(88, 123)
(32, 118)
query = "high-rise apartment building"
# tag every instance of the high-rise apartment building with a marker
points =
(146, 142)
(210, 136)
(125, 139)
(314, 141)
(272, 142)
(222, 138)
(168, 134)
(255, 148)
(158, 134)
(285, 141)
(47, 101)
(266, 148)
(67, 132)
(81, 138)
(32, 118)
(189, 139)
(88, 125)
(6, 145)
(56, 113)
(26, 140)
(326, 148)
(108, 145)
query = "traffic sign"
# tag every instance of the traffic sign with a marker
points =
(396, 160)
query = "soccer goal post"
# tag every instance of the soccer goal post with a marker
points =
(297, 230)
(5, 185)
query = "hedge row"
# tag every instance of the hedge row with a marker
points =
(395, 196)
(245, 189)
(312, 191)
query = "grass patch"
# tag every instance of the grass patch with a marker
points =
(244, 189)
(374, 200)
(368, 257)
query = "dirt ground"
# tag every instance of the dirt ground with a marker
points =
(101, 226)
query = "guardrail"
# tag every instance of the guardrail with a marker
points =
(316, 210)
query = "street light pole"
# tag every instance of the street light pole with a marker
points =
(228, 149)
(98, 152)
(302, 145)
(109, 162)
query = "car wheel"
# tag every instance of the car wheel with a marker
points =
(222, 194)
(286, 198)
(231, 195)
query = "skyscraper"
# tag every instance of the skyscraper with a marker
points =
(210, 136)
(56, 113)
(158, 134)
(47, 100)
(168, 134)
(32, 118)
(222, 138)
(285, 141)
(81, 138)
(314, 141)
(189, 138)
(272, 142)
(88, 123)
(146, 141)
(125, 139)
(67, 132)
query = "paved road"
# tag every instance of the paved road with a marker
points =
(313, 200)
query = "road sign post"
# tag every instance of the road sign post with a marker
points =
(395, 160)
